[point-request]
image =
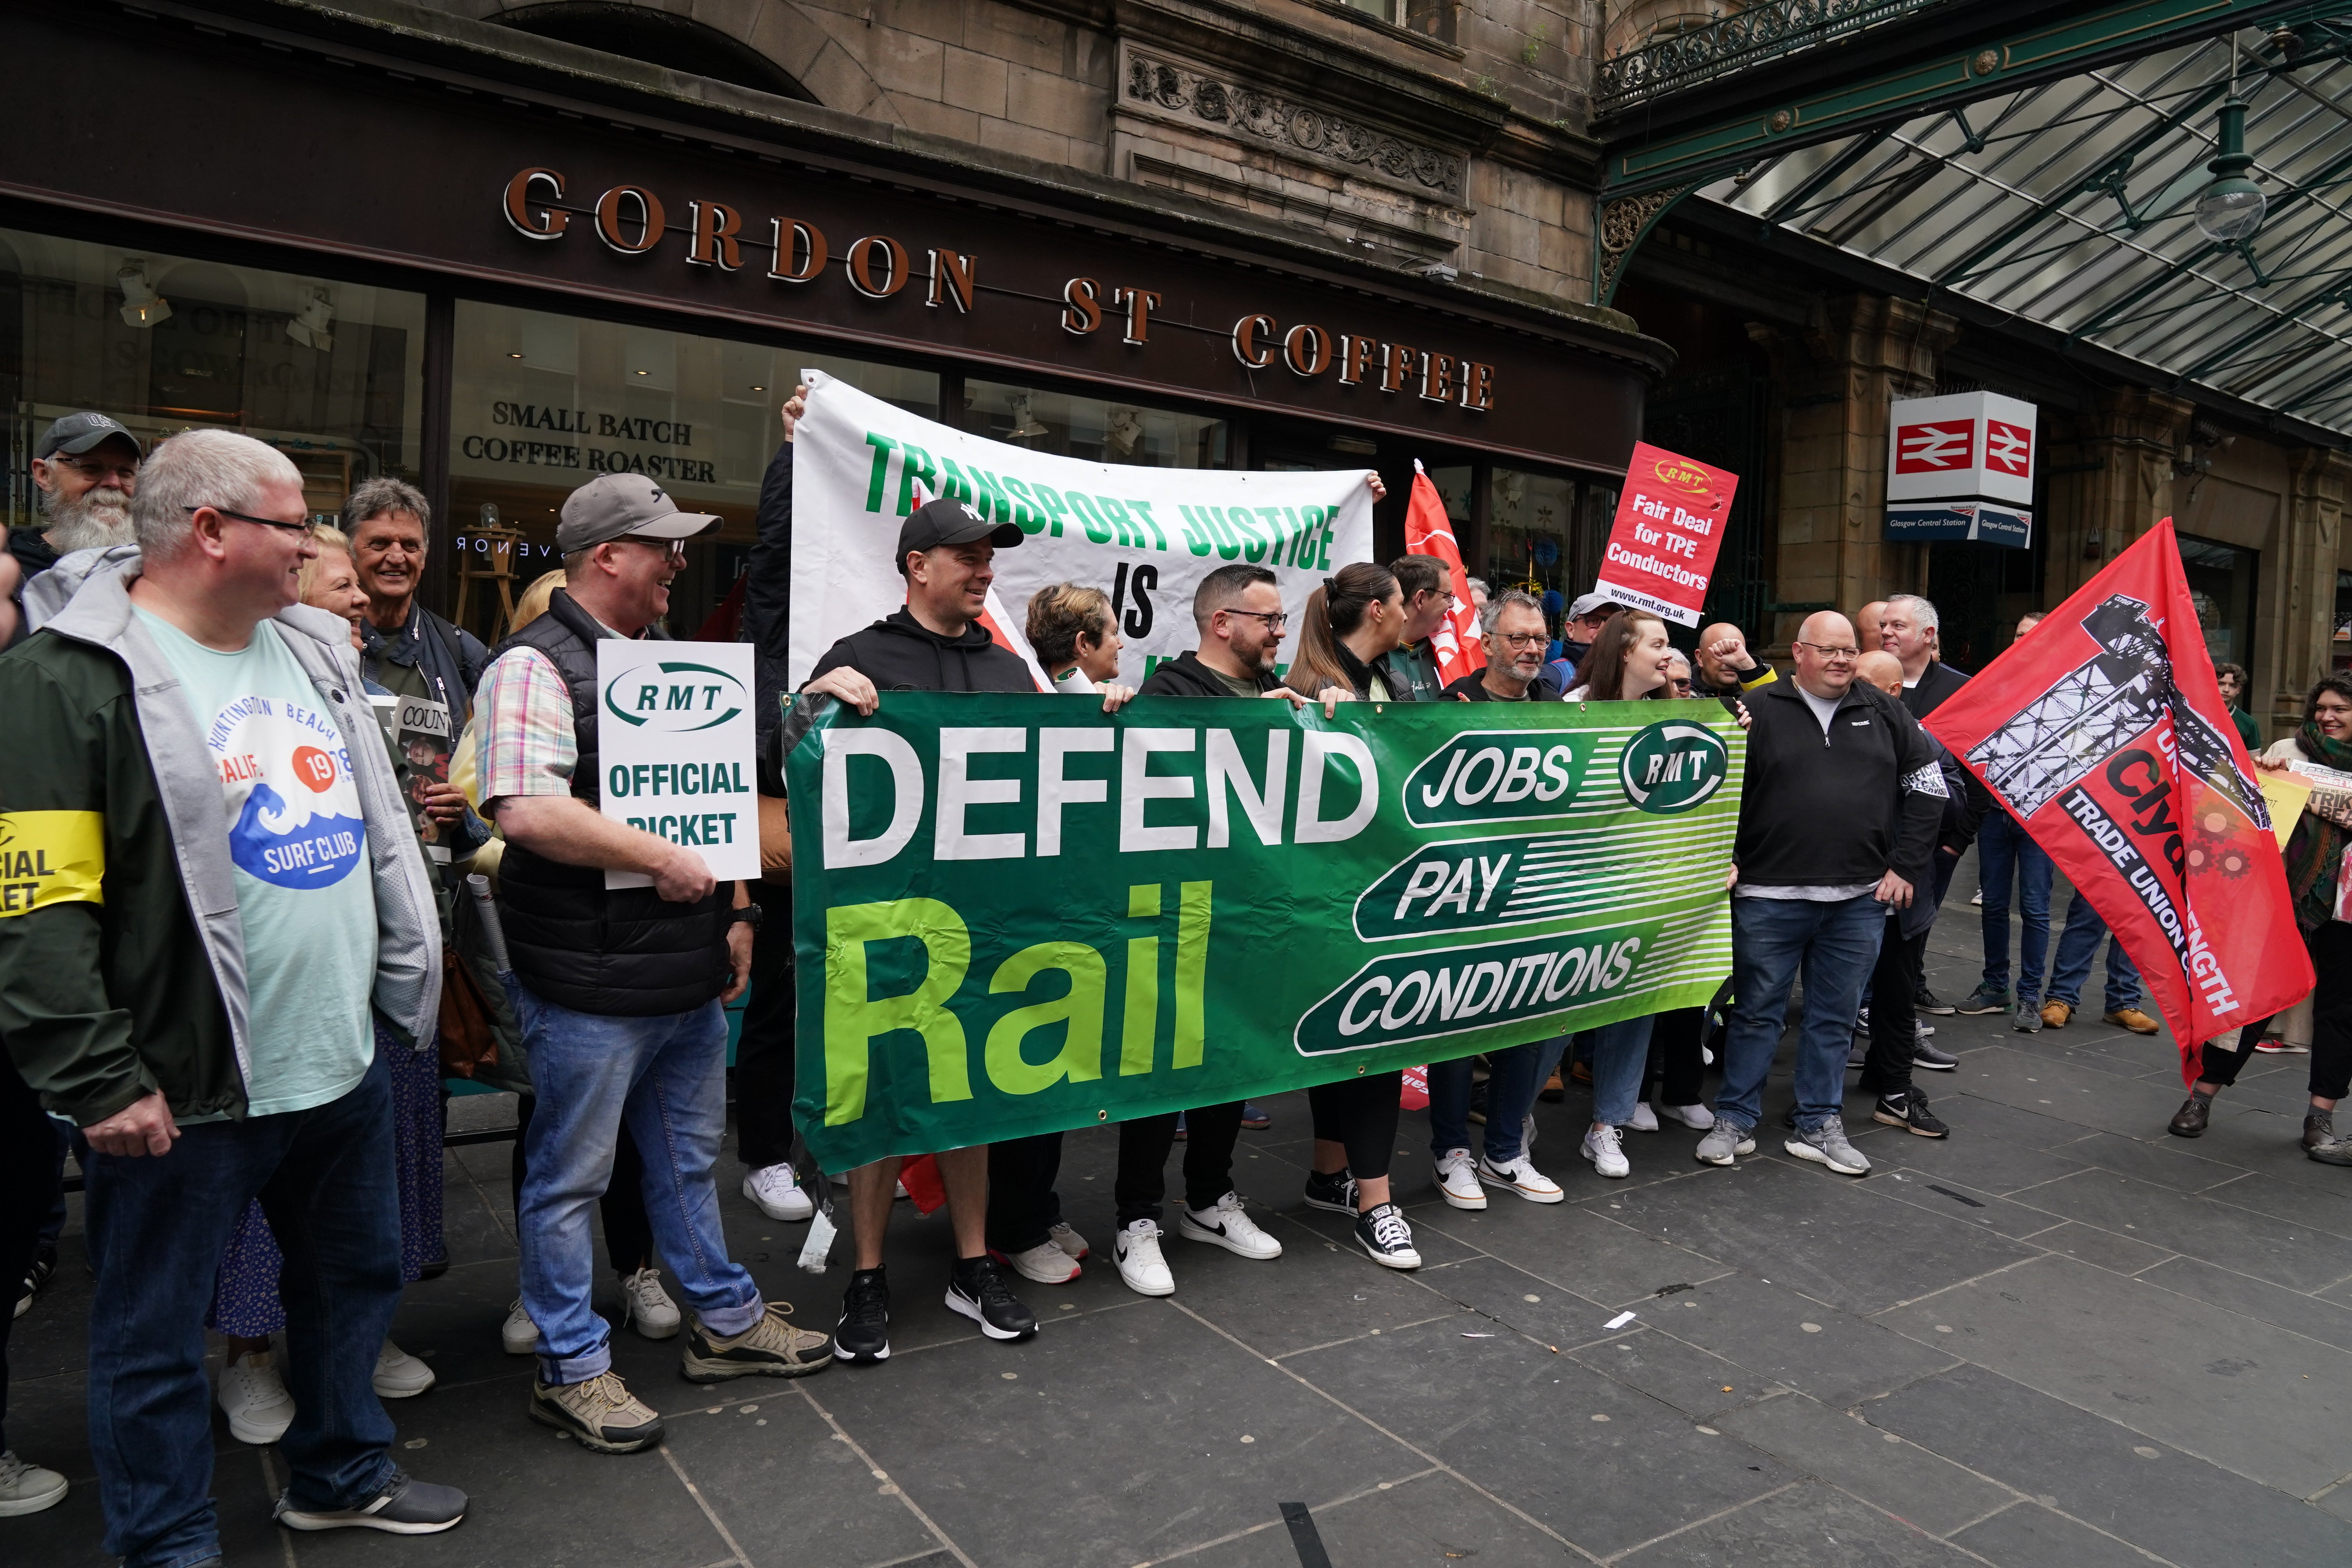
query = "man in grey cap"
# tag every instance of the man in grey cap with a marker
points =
(620, 991)
(85, 467)
(1578, 628)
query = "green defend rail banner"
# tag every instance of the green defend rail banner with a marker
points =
(1018, 914)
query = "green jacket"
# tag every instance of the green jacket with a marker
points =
(121, 954)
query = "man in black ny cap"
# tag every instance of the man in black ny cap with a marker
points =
(85, 467)
(619, 991)
(935, 643)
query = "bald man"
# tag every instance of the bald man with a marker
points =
(1868, 633)
(1837, 821)
(1725, 668)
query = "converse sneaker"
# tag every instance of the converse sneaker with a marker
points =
(1606, 1150)
(1382, 1231)
(398, 1375)
(1135, 1250)
(1909, 1110)
(1645, 1119)
(645, 1303)
(979, 1292)
(1336, 1191)
(1521, 1176)
(1225, 1223)
(1985, 999)
(1457, 1180)
(1723, 1139)
(862, 1332)
(1045, 1263)
(405, 1506)
(600, 1414)
(771, 1347)
(1697, 1116)
(36, 1274)
(1826, 1145)
(26, 1487)
(518, 1335)
(254, 1399)
(1068, 1240)
(775, 1192)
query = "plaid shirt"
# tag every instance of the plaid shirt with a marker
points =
(523, 711)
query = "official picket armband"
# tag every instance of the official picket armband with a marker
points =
(51, 857)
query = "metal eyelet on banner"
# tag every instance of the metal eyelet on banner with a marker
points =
(1360, 1069)
(1102, 1116)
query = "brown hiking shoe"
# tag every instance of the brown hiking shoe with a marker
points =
(768, 1348)
(601, 1413)
(2131, 1018)
(2055, 1014)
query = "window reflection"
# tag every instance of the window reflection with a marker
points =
(1095, 429)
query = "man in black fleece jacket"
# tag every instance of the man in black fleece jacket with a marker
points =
(1842, 789)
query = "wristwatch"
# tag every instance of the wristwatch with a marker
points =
(749, 914)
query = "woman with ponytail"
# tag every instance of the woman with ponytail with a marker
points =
(1354, 618)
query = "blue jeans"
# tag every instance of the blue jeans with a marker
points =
(666, 1075)
(1511, 1086)
(2006, 853)
(1621, 1055)
(2077, 946)
(156, 1228)
(1836, 944)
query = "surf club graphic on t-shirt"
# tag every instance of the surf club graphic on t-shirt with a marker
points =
(295, 812)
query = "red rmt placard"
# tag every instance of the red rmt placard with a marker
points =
(1670, 523)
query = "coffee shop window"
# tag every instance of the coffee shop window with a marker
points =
(329, 372)
(2222, 584)
(1099, 430)
(542, 402)
(1532, 538)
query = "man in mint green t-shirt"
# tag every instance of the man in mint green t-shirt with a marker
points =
(217, 892)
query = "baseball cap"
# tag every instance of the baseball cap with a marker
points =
(616, 506)
(74, 434)
(1591, 604)
(950, 521)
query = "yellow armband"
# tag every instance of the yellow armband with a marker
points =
(50, 858)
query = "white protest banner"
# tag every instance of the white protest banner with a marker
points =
(676, 741)
(1145, 536)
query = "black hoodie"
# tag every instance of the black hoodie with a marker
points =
(1186, 675)
(898, 653)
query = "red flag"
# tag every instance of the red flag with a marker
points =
(1429, 531)
(2104, 732)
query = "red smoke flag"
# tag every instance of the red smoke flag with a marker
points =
(1429, 531)
(2104, 732)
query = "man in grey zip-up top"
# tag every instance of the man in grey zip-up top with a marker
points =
(213, 890)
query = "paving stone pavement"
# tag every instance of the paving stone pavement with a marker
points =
(2060, 1339)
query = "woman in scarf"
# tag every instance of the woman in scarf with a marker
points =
(2312, 856)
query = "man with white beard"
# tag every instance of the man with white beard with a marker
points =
(85, 467)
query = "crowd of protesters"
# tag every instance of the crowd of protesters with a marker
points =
(236, 1009)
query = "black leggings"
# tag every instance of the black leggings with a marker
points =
(1677, 1064)
(1210, 1134)
(2331, 1021)
(1361, 1114)
(763, 1052)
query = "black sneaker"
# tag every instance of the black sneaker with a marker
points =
(404, 1507)
(1926, 1001)
(44, 1266)
(1857, 1055)
(980, 1293)
(1383, 1232)
(1336, 1192)
(863, 1335)
(1909, 1110)
(1923, 1055)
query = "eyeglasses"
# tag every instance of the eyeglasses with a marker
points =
(308, 527)
(673, 548)
(1834, 655)
(125, 472)
(1521, 639)
(1680, 682)
(1275, 620)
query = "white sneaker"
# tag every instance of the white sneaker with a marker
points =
(1045, 1263)
(1068, 1240)
(1603, 1147)
(1136, 1249)
(1645, 1119)
(518, 1335)
(26, 1487)
(1227, 1225)
(1521, 1176)
(1697, 1116)
(398, 1375)
(259, 1409)
(1528, 1133)
(776, 1193)
(900, 1192)
(645, 1302)
(1457, 1180)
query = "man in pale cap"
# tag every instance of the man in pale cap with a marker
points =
(1577, 629)
(620, 991)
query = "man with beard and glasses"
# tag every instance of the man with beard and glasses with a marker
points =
(85, 467)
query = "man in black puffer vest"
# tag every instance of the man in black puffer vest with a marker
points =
(620, 991)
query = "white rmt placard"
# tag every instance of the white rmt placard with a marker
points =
(677, 744)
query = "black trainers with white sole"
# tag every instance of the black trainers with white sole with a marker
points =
(863, 1335)
(405, 1506)
(1334, 1192)
(980, 1293)
(1382, 1233)
(1909, 1110)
